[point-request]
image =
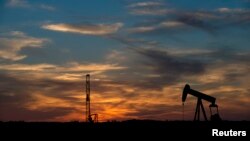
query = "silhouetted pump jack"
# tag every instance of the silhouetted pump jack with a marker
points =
(88, 112)
(200, 96)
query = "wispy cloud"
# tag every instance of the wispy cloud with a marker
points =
(149, 8)
(26, 4)
(47, 7)
(68, 72)
(210, 21)
(150, 11)
(69, 67)
(18, 3)
(27, 67)
(15, 42)
(231, 10)
(145, 4)
(86, 29)
(161, 26)
(233, 16)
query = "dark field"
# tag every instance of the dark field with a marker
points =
(135, 128)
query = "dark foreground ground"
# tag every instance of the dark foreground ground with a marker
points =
(124, 130)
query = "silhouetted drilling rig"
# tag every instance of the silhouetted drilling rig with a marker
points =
(200, 96)
(91, 118)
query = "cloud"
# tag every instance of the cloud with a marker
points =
(211, 21)
(26, 67)
(205, 15)
(142, 29)
(149, 8)
(214, 21)
(18, 3)
(145, 4)
(160, 76)
(175, 51)
(71, 67)
(229, 74)
(233, 16)
(171, 24)
(17, 95)
(28, 86)
(48, 102)
(13, 113)
(231, 10)
(192, 21)
(170, 68)
(161, 26)
(15, 41)
(176, 20)
(26, 4)
(86, 29)
(68, 72)
(156, 66)
(133, 42)
(94, 67)
(47, 7)
(150, 11)
(64, 98)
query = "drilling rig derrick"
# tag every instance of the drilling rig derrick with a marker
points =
(91, 118)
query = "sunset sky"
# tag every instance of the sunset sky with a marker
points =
(140, 54)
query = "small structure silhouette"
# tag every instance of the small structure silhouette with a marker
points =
(201, 96)
(88, 112)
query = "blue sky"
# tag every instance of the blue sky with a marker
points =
(139, 53)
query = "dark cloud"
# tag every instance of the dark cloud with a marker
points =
(146, 60)
(16, 94)
(133, 42)
(17, 113)
(209, 21)
(228, 54)
(193, 21)
(171, 68)
(10, 86)
(164, 68)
